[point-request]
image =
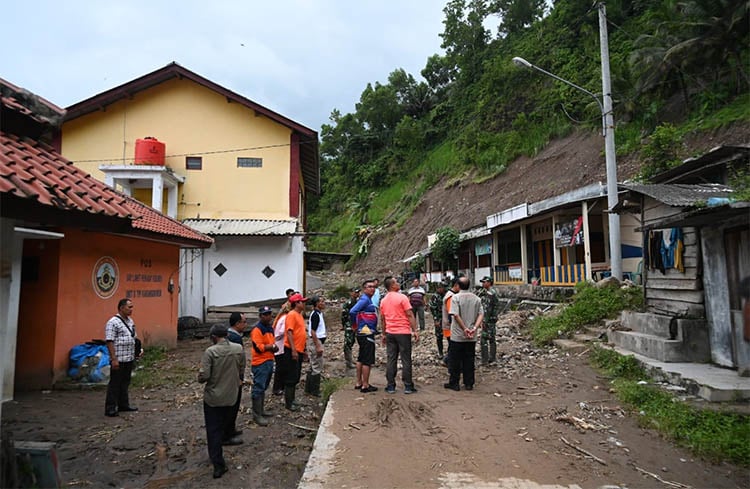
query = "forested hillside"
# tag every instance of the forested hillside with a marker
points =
(679, 68)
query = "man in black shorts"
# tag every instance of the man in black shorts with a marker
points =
(364, 316)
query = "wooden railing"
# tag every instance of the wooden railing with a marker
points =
(563, 275)
(503, 275)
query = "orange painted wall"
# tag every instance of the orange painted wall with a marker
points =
(35, 347)
(144, 270)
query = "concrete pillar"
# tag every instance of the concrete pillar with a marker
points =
(524, 256)
(157, 189)
(172, 201)
(586, 239)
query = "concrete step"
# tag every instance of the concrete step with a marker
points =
(709, 382)
(656, 347)
(569, 345)
(595, 330)
(648, 323)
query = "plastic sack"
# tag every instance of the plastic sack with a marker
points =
(87, 362)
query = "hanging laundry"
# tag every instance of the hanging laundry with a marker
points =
(677, 249)
(655, 245)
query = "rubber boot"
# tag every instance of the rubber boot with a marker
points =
(439, 341)
(289, 398)
(314, 385)
(485, 353)
(263, 411)
(349, 360)
(258, 412)
(309, 383)
(493, 352)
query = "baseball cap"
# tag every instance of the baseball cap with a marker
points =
(265, 310)
(297, 298)
(486, 279)
(219, 330)
(354, 289)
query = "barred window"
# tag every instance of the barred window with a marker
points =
(249, 162)
(194, 162)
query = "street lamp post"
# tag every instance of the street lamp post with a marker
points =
(608, 131)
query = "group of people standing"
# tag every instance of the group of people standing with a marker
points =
(279, 345)
(458, 315)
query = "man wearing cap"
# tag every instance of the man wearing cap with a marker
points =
(237, 325)
(346, 324)
(491, 307)
(220, 370)
(436, 309)
(294, 349)
(264, 347)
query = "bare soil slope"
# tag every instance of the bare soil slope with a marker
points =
(565, 164)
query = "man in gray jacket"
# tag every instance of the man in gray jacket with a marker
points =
(221, 370)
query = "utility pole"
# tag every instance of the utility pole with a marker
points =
(615, 248)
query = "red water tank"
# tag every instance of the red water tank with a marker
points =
(149, 151)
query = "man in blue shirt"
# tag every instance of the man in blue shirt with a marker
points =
(364, 316)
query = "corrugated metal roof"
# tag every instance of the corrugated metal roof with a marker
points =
(243, 227)
(681, 195)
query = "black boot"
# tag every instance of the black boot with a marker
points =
(289, 398)
(314, 385)
(258, 412)
(493, 352)
(264, 411)
(485, 353)
(309, 383)
(439, 341)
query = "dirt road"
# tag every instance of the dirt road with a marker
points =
(515, 424)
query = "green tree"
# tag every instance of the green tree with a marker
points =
(517, 15)
(445, 247)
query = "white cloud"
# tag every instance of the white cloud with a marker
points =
(302, 58)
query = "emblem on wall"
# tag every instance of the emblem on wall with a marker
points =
(105, 277)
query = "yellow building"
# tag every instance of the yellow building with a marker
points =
(220, 163)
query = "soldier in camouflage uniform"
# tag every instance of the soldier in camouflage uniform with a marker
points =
(436, 309)
(346, 324)
(491, 306)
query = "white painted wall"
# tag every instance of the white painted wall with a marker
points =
(11, 251)
(245, 257)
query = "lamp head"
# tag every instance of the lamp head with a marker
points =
(518, 61)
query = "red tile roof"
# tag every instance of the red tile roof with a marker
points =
(156, 222)
(33, 170)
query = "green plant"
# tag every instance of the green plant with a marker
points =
(152, 370)
(417, 264)
(717, 435)
(590, 304)
(445, 247)
(661, 150)
(331, 385)
(340, 291)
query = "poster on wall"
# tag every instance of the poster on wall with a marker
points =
(483, 246)
(569, 233)
(105, 277)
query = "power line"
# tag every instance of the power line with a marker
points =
(202, 153)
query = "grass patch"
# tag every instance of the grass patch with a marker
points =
(716, 435)
(152, 370)
(589, 305)
(331, 385)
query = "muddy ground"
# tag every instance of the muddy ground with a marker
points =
(517, 415)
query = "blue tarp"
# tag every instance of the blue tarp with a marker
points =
(87, 361)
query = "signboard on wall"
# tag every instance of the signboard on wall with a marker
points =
(483, 246)
(569, 233)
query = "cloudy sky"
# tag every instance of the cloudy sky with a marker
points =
(301, 58)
